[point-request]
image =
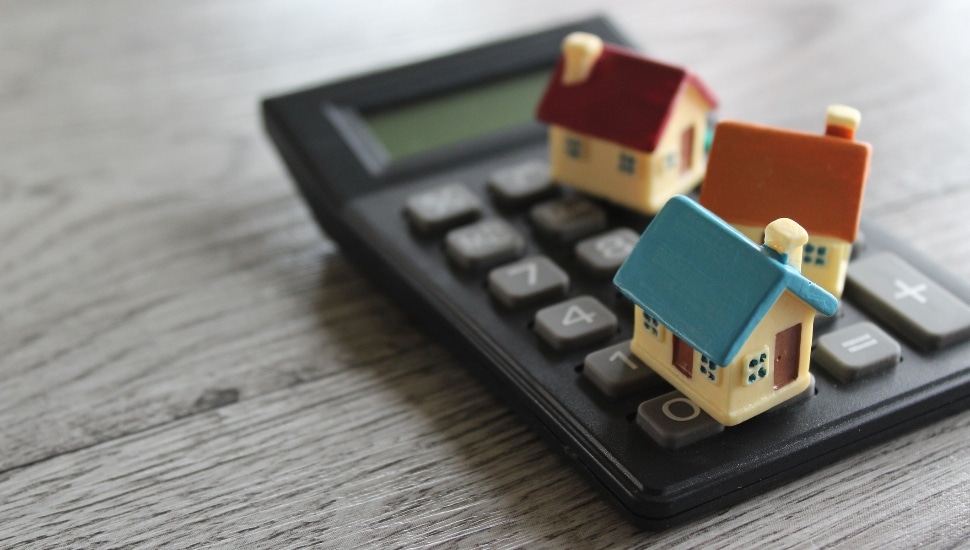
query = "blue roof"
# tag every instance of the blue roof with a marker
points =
(708, 283)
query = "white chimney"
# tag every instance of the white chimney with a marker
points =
(787, 238)
(580, 51)
(842, 121)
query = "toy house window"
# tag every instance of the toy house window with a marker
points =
(574, 147)
(709, 133)
(756, 366)
(628, 163)
(653, 326)
(710, 370)
(687, 150)
(814, 255)
(670, 161)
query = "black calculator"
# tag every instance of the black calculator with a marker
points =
(433, 178)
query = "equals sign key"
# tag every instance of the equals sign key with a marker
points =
(858, 350)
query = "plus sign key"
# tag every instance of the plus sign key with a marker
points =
(912, 304)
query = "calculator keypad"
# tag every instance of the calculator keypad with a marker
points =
(895, 294)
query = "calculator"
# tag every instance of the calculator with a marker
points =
(433, 178)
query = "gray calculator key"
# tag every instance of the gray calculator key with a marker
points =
(859, 350)
(522, 183)
(527, 281)
(908, 301)
(575, 323)
(484, 244)
(617, 372)
(569, 219)
(442, 208)
(603, 254)
(673, 421)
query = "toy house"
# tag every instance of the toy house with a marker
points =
(726, 322)
(623, 127)
(756, 174)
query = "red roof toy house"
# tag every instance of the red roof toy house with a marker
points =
(624, 127)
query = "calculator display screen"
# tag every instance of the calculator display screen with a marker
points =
(452, 117)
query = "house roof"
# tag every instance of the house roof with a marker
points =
(706, 282)
(756, 174)
(627, 98)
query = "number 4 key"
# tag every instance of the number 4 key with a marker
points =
(575, 323)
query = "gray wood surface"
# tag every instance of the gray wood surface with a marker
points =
(185, 360)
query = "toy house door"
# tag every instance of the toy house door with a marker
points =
(687, 150)
(683, 357)
(787, 351)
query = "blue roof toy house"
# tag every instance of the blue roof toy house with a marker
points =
(725, 321)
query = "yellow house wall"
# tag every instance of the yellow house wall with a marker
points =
(690, 109)
(830, 276)
(597, 171)
(728, 399)
(655, 178)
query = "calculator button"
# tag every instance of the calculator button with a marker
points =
(912, 304)
(484, 244)
(617, 372)
(442, 208)
(856, 351)
(527, 281)
(569, 219)
(673, 421)
(603, 254)
(521, 184)
(575, 323)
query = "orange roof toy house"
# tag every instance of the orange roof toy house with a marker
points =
(623, 127)
(756, 174)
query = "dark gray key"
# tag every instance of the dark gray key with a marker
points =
(909, 302)
(442, 208)
(674, 421)
(575, 323)
(858, 350)
(484, 244)
(569, 219)
(603, 254)
(617, 372)
(521, 184)
(528, 281)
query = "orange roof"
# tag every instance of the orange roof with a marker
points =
(757, 174)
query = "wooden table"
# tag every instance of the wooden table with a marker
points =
(185, 360)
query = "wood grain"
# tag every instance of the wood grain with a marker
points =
(185, 360)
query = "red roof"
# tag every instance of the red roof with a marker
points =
(627, 98)
(757, 174)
